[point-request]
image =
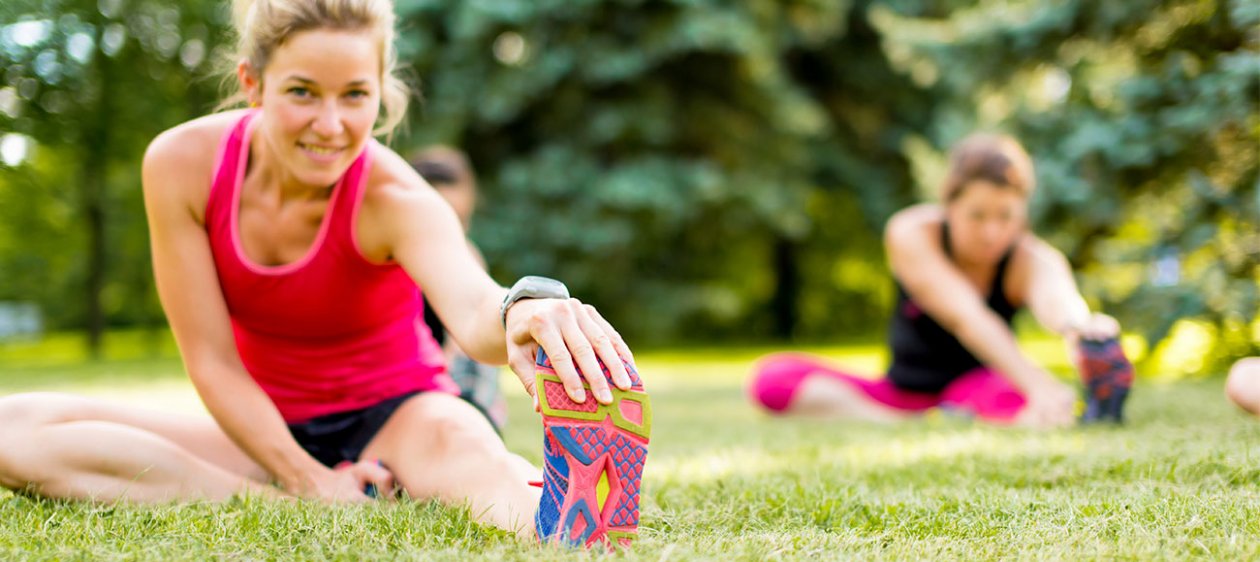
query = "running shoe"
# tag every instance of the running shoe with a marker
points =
(1108, 377)
(593, 461)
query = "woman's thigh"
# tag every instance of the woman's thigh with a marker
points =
(795, 383)
(199, 435)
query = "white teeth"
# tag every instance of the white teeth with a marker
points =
(319, 150)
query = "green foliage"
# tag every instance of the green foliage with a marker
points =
(91, 83)
(703, 170)
(665, 157)
(708, 170)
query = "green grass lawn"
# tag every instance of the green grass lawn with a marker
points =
(726, 482)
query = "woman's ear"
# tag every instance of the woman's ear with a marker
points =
(250, 81)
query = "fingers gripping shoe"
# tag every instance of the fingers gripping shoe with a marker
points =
(1108, 376)
(593, 461)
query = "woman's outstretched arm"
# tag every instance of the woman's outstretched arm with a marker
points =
(406, 220)
(1054, 299)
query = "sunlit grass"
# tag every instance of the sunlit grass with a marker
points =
(727, 482)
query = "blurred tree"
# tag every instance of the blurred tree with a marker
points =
(1144, 119)
(700, 169)
(90, 83)
(678, 162)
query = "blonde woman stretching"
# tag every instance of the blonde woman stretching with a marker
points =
(290, 249)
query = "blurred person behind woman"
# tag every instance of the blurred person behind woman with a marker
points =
(447, 169)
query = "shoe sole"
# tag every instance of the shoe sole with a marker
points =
(1108, 377)
(605, 448)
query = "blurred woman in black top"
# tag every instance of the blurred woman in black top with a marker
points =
(963, 267)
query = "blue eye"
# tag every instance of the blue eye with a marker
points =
(357, 94)
(299, 91)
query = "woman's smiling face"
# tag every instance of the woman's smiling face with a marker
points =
(320, 96)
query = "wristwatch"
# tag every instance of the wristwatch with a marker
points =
(532, 287)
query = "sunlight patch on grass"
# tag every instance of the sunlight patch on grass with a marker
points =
(174, 396)
(992, 445)
(70, 348)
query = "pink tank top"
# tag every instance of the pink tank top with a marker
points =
(330, 332)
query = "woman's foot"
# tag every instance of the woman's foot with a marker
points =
(1243, 385)
(594, 456)
(1108, 376)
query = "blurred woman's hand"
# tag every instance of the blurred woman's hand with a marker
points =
(1096, 327)
(1050, 405)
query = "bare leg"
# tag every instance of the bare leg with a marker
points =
(824, 397)
(65, 446)
(439, 446)
(1243, 385)
(803, 385)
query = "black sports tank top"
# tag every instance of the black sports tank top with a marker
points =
(926, 357)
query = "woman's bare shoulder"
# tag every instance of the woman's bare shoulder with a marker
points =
(918, 223)
(392, 177)
(193, 141)
(1033, 253)
(396, 202)
(180, 161)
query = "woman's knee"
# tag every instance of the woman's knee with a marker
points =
(1243, 385)
(21, 415)
(786, 363)
(26, 411)
(775, 379)
(465, 432)
(437, 426)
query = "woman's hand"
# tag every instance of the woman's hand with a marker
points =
(1097, 327)
(346, 483)
(1051, 404)
(574, 336)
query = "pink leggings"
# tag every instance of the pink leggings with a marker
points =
(981, 392)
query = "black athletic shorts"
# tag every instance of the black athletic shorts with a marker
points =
(342, 436)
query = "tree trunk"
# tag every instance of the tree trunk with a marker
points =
(92, 184)
(93, 188)
(787, 288)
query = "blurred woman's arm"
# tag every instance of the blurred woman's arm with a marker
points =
(1054, 299)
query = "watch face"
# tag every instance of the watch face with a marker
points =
(532, 287)
(542, 287)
